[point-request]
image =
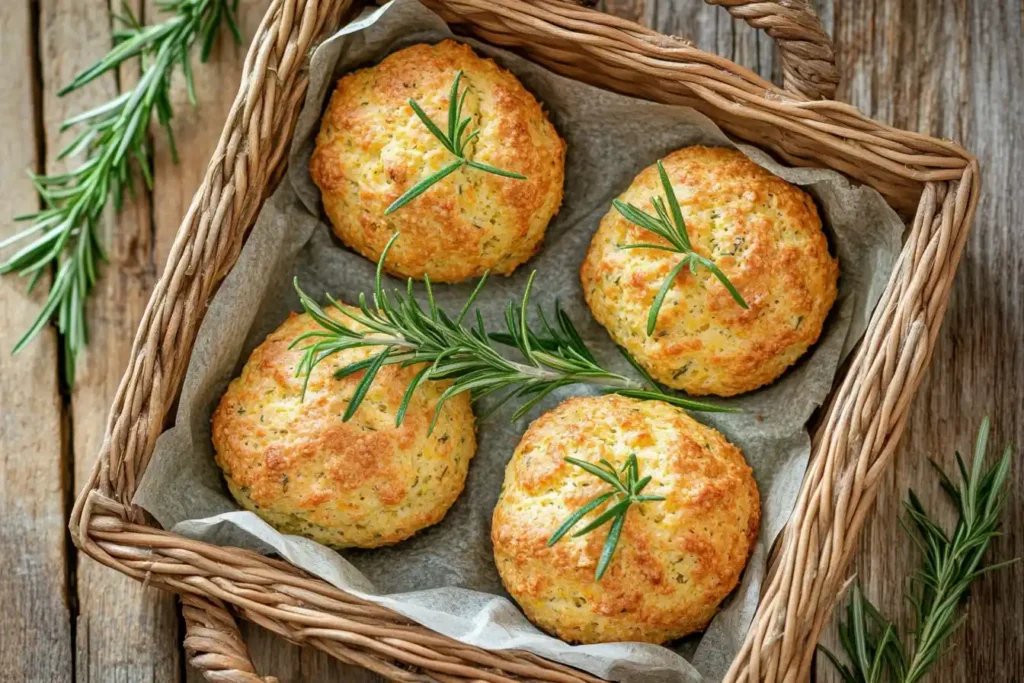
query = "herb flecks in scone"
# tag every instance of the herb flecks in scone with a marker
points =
(289, 456)
(722, 296)
(485, 164)
(663, 548)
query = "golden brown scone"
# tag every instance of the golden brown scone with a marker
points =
(762, 232)
(372, 148)
(362, 483)
(676, 559)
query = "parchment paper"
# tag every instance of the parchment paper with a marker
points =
(445, 577)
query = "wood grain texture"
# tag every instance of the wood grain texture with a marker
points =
(196, 129)
(954, 69)
(124, 631)
(35, 617)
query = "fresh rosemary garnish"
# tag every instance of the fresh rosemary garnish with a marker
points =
(455, 141)
(670, 226)
(408, 335)
(938, 587)
(624, 493)
(112, 136)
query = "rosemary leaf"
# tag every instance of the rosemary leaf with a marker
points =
(114, 138)
(659, 298)
(673, 204)
(950, 563)
(455, 141)
(496, 171)
(668, 223)
(402, 332)
(610, 544)
(607, 475)
(431, 126)
(424, 185)
(577, 516)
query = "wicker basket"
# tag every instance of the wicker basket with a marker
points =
(933, 181)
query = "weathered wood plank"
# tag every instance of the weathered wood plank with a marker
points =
(35, 627)
(954, 69)
(196, 129)
(124, 632)
(708, 27)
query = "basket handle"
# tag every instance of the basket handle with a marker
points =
(214, 644)
(808, 60)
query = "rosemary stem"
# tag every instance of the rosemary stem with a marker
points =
(113, 139)
(401, 342)
(929, 633)
(403, 332)
(618, 382)
(602, 379)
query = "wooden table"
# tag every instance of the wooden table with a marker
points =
(951, 68)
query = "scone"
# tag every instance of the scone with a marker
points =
(675, 560)
(364, 482)
(763, 234)
(372, 148)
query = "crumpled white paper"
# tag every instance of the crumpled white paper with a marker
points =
(445, 577)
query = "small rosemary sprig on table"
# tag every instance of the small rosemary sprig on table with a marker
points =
(455, 141)
(625, 492)
(670, 226)
(406, 334)
(112, 136)
(938, 587)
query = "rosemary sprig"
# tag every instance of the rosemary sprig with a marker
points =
(939, 586)
(670, 226)
(455, 141)
(624, 493)
(112, 136)
(407, 335)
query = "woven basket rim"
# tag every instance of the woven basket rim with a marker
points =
(855, 440)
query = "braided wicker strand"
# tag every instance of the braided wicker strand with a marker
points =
(214, 643)
(935, 181)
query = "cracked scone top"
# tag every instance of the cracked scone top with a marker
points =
(676, 559)
(362, 483)
(762, 232)
(372, 148)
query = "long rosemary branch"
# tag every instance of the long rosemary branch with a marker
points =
(553, 356)
(113, 137)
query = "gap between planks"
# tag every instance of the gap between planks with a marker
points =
(35, 634)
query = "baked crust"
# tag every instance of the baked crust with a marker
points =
(762, 232)
(362, 483)
(372, 148)
(676, 560)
